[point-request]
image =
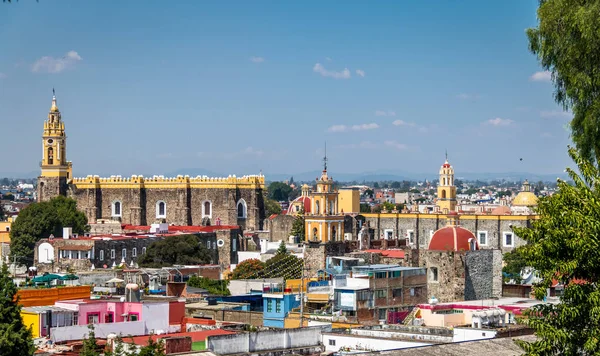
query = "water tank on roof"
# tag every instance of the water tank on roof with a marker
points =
(211, 301)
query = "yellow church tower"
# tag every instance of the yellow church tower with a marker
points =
(446, 191)
(56, 170)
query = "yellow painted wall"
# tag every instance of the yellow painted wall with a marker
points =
(349, 201)
(32, 320)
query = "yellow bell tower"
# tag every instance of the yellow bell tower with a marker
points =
(56, 170)
(446, 197)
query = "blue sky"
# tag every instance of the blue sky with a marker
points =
(152, 87)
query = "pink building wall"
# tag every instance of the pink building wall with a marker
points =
(105, 309)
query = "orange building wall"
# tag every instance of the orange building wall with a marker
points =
(49, 296)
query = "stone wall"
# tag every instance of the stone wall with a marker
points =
(184, 206)
(49, 187)
(424, 225)
(315, 254)
(280, 227)
(483, 277)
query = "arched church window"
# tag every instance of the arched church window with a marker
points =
(444, 180)
(161, 209)
(443, 194)
(207, 209)
(50, 155)
(315, 231)
(333, 233)
(241, 209)
(317, 207)
(116, 208)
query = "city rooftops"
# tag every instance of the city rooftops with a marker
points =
(383, 267)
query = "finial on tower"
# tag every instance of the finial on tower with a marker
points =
(325, 158)
(446, 155)
(54, 107)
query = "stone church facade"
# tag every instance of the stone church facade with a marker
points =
(138, 200)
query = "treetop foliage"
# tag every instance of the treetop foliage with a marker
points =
(15, 338)
(176, 250)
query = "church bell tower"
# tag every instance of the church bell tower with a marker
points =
(446, 198)
(56, 170)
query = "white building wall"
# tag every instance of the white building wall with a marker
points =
(468, 334)
(333, 342)
(156, 317)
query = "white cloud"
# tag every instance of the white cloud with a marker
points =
(257, 59)
(467, 96)
(396, 145)
(360, 73)
(544, 76)
(556, 114)
(546, 135)
(361, 127)
(318, 68)
(2, 75)
(500, 122)
(49, 64)
(404, 123)
(328, 59)
(385, 113)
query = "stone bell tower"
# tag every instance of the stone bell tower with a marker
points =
(56, 170)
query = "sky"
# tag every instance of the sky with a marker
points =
(240, 87)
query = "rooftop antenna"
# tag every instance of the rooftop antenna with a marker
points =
(325, 158)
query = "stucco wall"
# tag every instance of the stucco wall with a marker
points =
(78, 332)
(365, 343)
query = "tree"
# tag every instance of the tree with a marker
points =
(248, 269)
(513, 264)
(298, 229)
(395, 185)
(563, 246)
(214, 287)
(279, 191)
(365, 208)
(152, 348)
(40, 220)
(176, 250)
(15, 337)
(8, 196)
(283, 265)
(369, 193)
(376, 185)
(2, 214)
(90, 344)
(566, 43)
(272, 207)
(282, 249)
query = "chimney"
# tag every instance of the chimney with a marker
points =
(67, 232)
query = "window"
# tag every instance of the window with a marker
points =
(124, 253)
(143, 250)
(112, 253)
(133, 317)
(241, 209)
(331, 342)
(93, 318)
(50, 155)
(388, 234)
(363, 295)
(412, 292)
(116, 208)
(208, 244)
(109, 318)
(317, 207)
(101, 255)
(134, 252)
(207, 209)
(161, 209)
(234, 245)
(315, 238)
(411, 236)
(381, 293)
(214, 245)
(443, 194)
(269, 305)
(433, 274)
(278, 306)
(380, 274)
(333, 233)
(75, 318)
(482, 238)
(508, 239)
(397, 292)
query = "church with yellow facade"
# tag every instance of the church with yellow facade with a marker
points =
(139, 200)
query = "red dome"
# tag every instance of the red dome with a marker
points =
(446, 165)
(306, 202)
(452, 238)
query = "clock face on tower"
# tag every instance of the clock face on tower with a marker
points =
(50, 141)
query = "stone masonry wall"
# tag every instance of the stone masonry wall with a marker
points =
(450, 285)
(483, 278)
(280, 227)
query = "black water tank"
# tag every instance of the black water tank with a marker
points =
(211, 301)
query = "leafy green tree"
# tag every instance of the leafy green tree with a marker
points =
(40, 220)
(283, 265)
(15, 337)
(369, 193)
(282, 249)
(272, 207)
(90, 344)
(118, 348)
(563, 245)
(214, 287)
(2, 214)
(248, 269)
(505, 193)
(279, 191)
(513, 264)
(176, 250)
(567, 42)
(395, 185)
(152, 348)
(365, 208)
(298, 229)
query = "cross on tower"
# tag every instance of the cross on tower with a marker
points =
(325, 158)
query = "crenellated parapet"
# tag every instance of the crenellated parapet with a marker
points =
(179, 182)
